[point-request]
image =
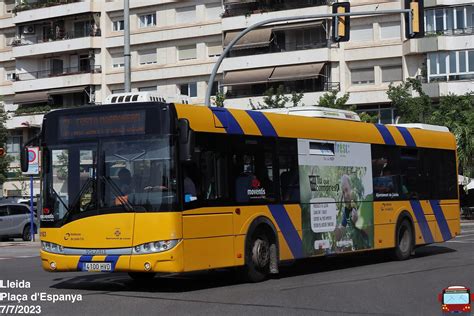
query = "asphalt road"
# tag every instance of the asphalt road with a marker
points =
(366, 284)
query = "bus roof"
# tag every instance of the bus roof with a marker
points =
(248, 122)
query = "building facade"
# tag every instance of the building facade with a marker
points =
(64, 53)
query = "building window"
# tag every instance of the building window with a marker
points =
(213, 11)
(362, 33)
(115, 91)
(362, 76)
(147, 57)
(118, 61)
(455, 65)
(384, 115)
(214, 49)
(10, 76)
(118, 25)
(392, 73)
(450, 20)
(13, 146)
(147, 20)
(390, 30)
(189, 89)
(187, 52)
(186, 15)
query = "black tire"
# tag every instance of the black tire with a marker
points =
(142, 276)
(26, 233)
(404, 240)
(257, 257)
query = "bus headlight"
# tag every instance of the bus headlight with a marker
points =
(52, 247)
(156, 246)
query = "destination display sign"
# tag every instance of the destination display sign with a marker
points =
(102, 124)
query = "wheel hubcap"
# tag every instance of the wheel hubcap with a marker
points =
(261, 253)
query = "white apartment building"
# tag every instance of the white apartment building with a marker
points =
(301, 57)
(61, 53)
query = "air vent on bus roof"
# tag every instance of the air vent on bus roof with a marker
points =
(144, 97)
(318, 111)
(428, 127)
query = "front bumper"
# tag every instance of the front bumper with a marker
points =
(170, 261)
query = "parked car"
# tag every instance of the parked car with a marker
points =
(15, 221)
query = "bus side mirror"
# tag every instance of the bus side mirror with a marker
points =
(24, 159)
(186, 141)
(440, 298)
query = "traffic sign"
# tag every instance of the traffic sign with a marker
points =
(33, 161)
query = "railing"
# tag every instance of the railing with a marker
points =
(451, 32)
(57, 73)
(248, 8)
(41, 4)
(63, 35)
(252, 92)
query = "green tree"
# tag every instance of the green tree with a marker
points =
(331, 100)
(457, 113)
(410, 108)
(219, 99)
(5, 160)
(277, 99)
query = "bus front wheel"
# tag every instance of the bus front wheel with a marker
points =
(404, 242)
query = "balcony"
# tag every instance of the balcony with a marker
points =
(279, 39)
(61, 9)
(25, 6)
(249, 7)
(57, 78)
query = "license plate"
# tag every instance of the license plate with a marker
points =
(97, 266)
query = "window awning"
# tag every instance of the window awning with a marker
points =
(30, 97)
(255, 38)
(296, 72)
(238, 1)
(303, 25)
(252, 76)
(67, 90)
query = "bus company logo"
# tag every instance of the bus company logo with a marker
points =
(117, 232)
(47, 218)
(456, 300)
(67, 236)
(256, 191)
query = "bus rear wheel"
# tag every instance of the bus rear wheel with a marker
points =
(404, 241)
(142, 276)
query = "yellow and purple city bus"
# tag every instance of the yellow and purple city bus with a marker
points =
(155, 187)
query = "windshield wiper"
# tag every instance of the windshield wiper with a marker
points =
(118, 194)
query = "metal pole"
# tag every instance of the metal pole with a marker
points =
(126, 45)
(32, 226)
(282, 19)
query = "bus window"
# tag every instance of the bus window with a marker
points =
(386, 173)
(252, 164)
(412, 174)
(289, 174)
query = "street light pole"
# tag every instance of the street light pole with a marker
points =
(126, 46)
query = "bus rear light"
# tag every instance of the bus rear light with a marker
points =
(46, 211)
(52, 265)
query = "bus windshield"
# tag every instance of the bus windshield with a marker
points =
(456, 298)
(110, 175)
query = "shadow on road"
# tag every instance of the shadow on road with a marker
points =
(187, 282)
